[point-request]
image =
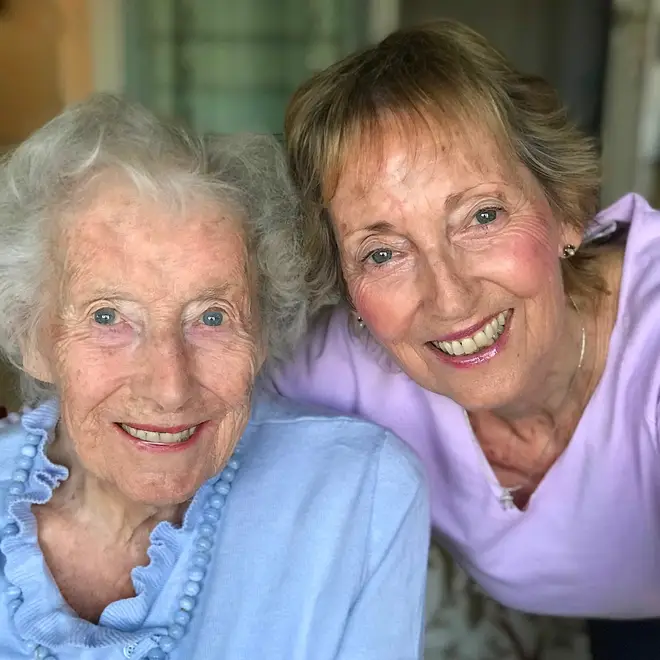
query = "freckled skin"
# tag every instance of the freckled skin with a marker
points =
(157, 277)
(158, 364)
(447, 271)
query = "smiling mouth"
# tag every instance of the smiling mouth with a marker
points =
(485, 337)
(159, 437)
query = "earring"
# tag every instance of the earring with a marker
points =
(360, 322)
(569, 251)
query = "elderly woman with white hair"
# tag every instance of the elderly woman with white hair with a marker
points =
(155, 501)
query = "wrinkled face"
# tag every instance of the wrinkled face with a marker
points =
(153, 344)
(452, 260)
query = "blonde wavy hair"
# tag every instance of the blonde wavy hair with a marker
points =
(451, 79)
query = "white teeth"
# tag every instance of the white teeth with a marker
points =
(159, 438)
(469, 345)
(482, 339)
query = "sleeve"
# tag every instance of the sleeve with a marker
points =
(322, 371)
(387, 618)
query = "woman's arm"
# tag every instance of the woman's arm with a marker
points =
(387, 618)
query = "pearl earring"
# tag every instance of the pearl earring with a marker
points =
(569, 251)
(360, 321)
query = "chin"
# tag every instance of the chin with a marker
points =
(481, 403)
(479, 395)
(162, 494)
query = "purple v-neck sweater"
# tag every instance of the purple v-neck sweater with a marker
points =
(589, 542)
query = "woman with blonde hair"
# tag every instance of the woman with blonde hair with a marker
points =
(479, 306)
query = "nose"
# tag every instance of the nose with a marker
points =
(449, 288)
(166, 378)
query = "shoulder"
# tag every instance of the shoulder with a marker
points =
(643, 241)
(329, 343)
(639, 291)
(314, 439)
(336, 368)
(333, 480)
(644, 222)
(632, 373)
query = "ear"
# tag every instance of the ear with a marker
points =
(35, 363)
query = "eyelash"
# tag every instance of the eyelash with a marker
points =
(485, 209)
(368, 261)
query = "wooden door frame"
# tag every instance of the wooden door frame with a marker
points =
(91, 48)
(75, 63)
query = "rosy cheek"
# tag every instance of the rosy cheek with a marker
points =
(527, 265)
(387, 310)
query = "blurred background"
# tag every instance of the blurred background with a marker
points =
(231, 65)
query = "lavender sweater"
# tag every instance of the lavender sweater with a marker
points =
(589, 542)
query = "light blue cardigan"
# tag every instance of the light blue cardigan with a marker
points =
(320, 552)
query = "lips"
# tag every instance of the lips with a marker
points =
(484, 337)
(158, 437)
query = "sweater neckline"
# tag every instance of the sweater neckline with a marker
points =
(45, 617)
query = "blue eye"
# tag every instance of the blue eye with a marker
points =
(105, 316)
(213, 318)
(380, 256)
(486, 216)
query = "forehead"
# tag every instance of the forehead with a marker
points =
(400, 160)
(121, 241)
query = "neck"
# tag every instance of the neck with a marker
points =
(561, 394)
(99, 505)
(563, 390)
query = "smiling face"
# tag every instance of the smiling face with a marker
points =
(452, 260)
(153, 344)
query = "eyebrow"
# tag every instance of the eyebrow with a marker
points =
(453, 200)
(381, 227)
(220, 291)
(114, 293)
(456, 198)
(110, 294)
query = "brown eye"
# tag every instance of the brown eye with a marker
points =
(486, 216)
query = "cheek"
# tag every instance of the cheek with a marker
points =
(86, 372)
(87, 379)
(226, 366)
(386, 303)
(526, 264)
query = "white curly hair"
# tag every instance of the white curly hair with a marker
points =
(47, 176)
